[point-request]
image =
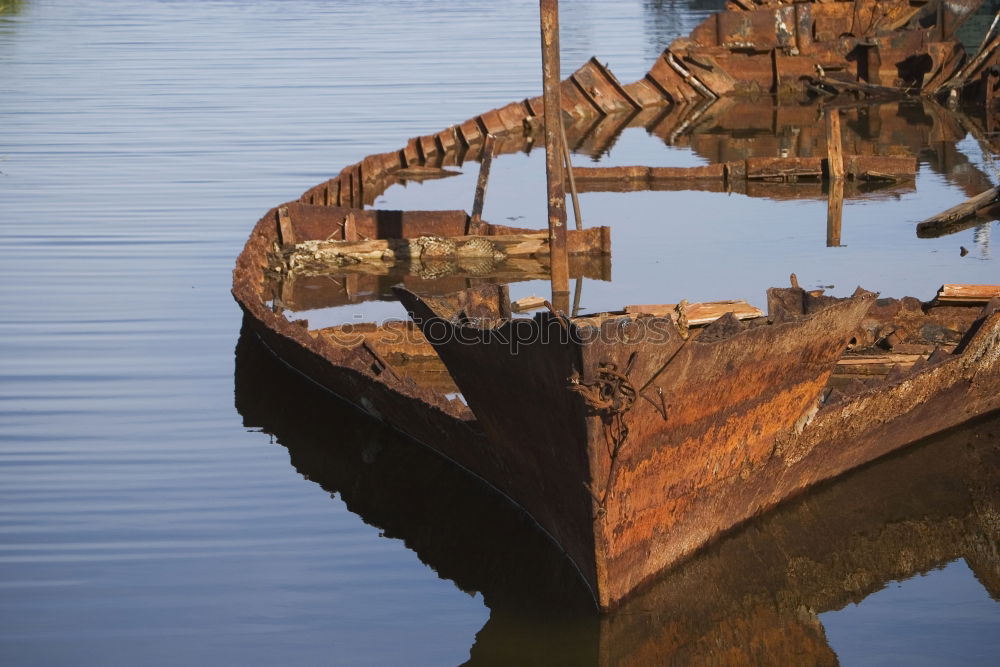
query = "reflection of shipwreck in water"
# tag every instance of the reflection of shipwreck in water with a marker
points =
(636, 437)
(752, 598)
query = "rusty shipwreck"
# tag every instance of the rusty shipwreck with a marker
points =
(634, 438)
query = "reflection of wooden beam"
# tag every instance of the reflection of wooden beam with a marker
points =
(764, 169)
(357, 283)
(835, 214)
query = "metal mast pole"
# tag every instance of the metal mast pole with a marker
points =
(552, 99)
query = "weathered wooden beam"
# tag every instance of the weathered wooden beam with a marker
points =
(968, 293)
(950, 221)
(699, 313)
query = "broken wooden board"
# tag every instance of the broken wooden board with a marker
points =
(700, 313)
(954, 219)
(875, 364)
(527, 304)
(968, 293)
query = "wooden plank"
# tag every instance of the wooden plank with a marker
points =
(527, 303)
(700, 313)
(946, 221)
(285, 227)
(968, 293)
(876, 364)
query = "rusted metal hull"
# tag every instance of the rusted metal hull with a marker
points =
(631, 453)
(665, 443)
(629, 444)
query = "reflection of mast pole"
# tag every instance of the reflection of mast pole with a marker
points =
(981, 237)
(835, 170)
(834, 213)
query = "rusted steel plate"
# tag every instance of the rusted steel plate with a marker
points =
(670, 83)
(646, 93)
(471, 132)
(512, 116)
(726, 401)
(602, 89)
(742, 602)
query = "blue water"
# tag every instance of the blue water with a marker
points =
(141, 522)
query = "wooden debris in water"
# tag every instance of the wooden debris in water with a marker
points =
(968, 293)
(701, 313)
(958, 217)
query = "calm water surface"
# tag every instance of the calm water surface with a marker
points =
(148, 516)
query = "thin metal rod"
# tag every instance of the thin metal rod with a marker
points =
(484, 174)
(577, 292)
(568, 164)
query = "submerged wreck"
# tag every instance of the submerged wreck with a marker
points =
(634, 438)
